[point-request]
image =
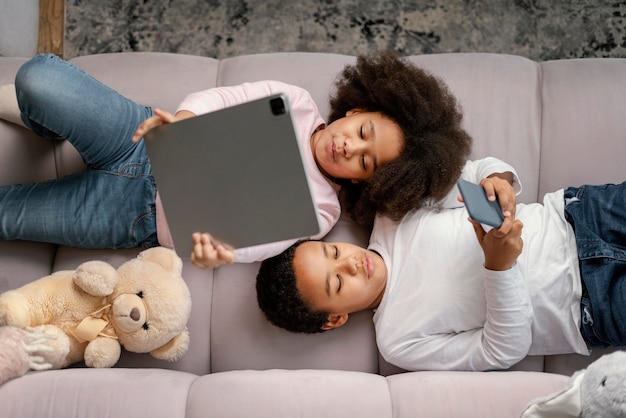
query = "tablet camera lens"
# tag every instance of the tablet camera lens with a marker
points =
(278, 106)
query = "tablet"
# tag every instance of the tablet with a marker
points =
(236, 173)
(478, 206)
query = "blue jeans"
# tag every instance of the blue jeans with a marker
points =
(112, 203)
(598, 216)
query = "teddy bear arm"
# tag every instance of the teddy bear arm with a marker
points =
(174, 349)
(102, 352)
(60, 347)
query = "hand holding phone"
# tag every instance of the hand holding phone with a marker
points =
(479, 207)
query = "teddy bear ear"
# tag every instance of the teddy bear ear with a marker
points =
(164, 257)
(174, 348)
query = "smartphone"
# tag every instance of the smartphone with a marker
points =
(478, 206)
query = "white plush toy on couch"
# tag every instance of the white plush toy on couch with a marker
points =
(599, 391)
(91, 312)
(20, 351)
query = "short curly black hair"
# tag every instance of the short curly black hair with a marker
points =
(279, 298)
(435, 148)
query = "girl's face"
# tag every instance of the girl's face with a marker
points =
(339, 278)
(353, 147)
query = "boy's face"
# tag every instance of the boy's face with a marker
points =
(339, 278)
(353, 147)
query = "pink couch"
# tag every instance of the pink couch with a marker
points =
(559, 123)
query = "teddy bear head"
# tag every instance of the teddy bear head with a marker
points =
(150, 305)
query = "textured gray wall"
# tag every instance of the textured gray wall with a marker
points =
(537, 29)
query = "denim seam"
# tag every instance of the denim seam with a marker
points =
(133, 233)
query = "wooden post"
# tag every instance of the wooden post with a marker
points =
(51, 26)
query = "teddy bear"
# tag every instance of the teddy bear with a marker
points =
(92, 312)
(597, 391)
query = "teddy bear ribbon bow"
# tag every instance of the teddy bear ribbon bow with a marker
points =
(94, 325)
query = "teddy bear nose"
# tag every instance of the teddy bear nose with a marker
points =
(135, 315)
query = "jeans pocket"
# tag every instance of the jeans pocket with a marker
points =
(587, 329)
(144, 233)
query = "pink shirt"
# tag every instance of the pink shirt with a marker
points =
(307, 120)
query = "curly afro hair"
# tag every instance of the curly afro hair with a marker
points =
(279, 298)
(435, 148)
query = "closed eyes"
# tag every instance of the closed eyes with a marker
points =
(339, 279)
(363, 160)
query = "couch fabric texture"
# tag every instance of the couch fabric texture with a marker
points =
(559, 123)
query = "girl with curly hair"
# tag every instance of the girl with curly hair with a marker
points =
(435, 146)
(392, 142)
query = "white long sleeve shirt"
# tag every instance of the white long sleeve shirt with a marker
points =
(307, 120)
(442, 310)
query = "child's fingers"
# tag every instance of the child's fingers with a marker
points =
(208, 253)
(226, 255)
(146, 126)
(160, 117)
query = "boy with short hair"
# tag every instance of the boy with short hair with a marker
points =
(451, 297)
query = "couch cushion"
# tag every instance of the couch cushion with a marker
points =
(163, 81)
(22, 262)
(97, 393)
(241, 337)
(287, 394)
(200, 283)
(25, 157)
(568, 364)
(469, 394)
(500, 98)
(583, 122)
(313, 72)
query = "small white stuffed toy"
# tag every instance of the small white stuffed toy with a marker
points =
(597, 391)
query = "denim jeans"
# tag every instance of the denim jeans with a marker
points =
(112, 203)
(598, 216)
